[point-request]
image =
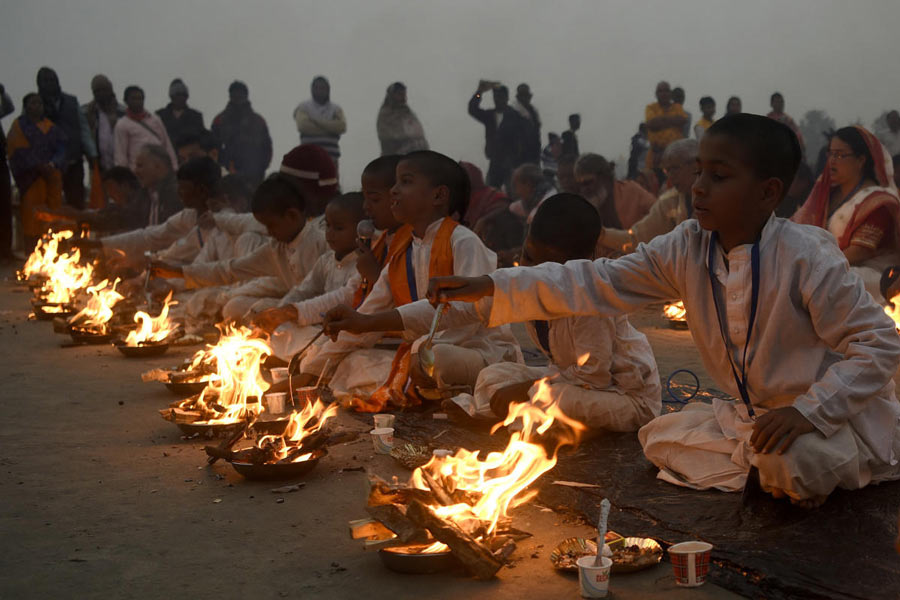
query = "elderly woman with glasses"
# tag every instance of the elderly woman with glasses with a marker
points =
(856, 199)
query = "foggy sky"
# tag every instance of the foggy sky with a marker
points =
(599, 58)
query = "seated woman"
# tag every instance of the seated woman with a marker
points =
(36, 149)
(621, 204)
(856, 199)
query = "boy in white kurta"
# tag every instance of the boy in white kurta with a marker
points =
(820, 353)
(274, 267)
(429, 187)
(602, 370)
(291, 326)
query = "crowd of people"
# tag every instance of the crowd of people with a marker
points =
(786, 313)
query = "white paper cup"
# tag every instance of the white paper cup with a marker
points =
(383, 439)
(275, 402)
(441, 452)
(279, 374)
(690, 561)
(383, 420)
(594, 581)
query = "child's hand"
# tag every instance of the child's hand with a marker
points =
(268, 320)
(368, 266)
(462, 289)
(418, 377)
(343, 318)
(165, 270)
(780, 425)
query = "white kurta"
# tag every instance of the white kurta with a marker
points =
(153, 238)
(282, 265)
(312, 296)
(820, 343)
(470, 258)
(602, 369)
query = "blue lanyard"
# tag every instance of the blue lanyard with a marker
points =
(754, 265)
(200, 237)
(411, 274)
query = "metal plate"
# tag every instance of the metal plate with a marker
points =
(142, 351)
(275, 471)
(402, 562)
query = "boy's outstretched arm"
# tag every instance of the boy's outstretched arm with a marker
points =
(343, 318)
(459, 289)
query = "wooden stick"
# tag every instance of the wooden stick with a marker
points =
(440, 494)
(392, 516)
(479, 561)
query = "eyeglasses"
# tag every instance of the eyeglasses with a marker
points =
(838, 155)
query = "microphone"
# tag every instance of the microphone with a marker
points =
(364, 231)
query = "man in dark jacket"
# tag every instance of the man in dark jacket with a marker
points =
(6, 107)
(505, 133)
(102, 113)
(63, 109)
(180, 120)
(246, 144)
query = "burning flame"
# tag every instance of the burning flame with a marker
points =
(238, 375)
(152, 330)
(63, 273)
(98, 311)
(500, 480)
(893, 310)
(675, 311)
(45, 252)
(301, 425)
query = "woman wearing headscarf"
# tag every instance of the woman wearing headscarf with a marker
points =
(37, 154)
(856, 199)
(399, 129)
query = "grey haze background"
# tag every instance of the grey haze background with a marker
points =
(599, 58)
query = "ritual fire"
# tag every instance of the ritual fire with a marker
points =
(95, 316)
(893, 310)
(152, 330)
(463, 501)
(676, 314)
(63, 275)
(233, 394)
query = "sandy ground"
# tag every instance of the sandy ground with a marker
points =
(101, 498)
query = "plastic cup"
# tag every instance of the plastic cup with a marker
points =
(690, 561)
(383, 420)
(441, 453)
(594, 581)
(306, 395)
(279, 374)
(275, 402)
(383, 440)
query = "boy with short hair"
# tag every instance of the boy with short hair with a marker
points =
(290, 325)
(429, 188)
(708, 110)
(602, 371)
(779, 320)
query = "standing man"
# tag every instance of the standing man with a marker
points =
(890, 135)
(531, 149)
(665, 123)
(776, 101)
(63, 110)
(102, 114)
(246, 144)
(320, 121)
(6, 107)
(179, 119)
(570, 137)
(137, 129)
(504, 134)
(678, 98)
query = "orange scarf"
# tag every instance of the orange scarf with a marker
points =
(440, 264)
(394, 389)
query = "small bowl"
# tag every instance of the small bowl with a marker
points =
(276, 471)
(406, 562)
(80, 336)
(183, 389)
(210, 430)
(142, 350)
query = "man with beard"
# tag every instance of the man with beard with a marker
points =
(246, 144)
(63, 110)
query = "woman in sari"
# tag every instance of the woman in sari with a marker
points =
(37, 150)
(856, 199)
(399, 129)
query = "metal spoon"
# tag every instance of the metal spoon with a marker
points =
(426, 351)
